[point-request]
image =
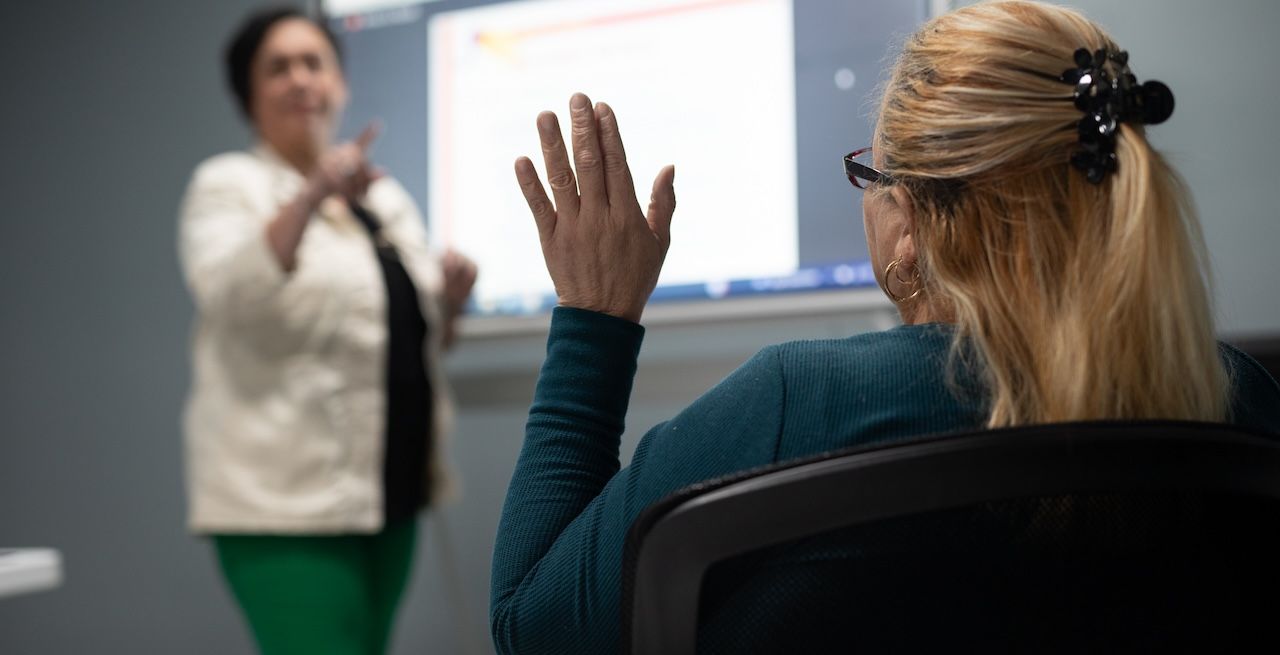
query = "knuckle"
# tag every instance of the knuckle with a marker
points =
(614, 163)
(561, 180)
(540, 207)
(586, 158)
(550, 140)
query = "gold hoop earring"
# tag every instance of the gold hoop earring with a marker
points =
(892, 269)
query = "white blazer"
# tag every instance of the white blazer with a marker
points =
(284, 423)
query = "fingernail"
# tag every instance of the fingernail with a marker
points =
(602, 109)
(547, 122)
(579, 101)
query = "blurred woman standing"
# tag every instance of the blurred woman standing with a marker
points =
(318, 411)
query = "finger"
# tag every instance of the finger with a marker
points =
(543, 214)
(617, 174)
(346, 161)
(468, 267)
(454, 266)
(359, 183)
(662, 204)
(350, 162)
(349, 187)
(368, 135)
(586, 152)
(564, 186)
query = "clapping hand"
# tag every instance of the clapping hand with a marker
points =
(345, 169)
(459, 278)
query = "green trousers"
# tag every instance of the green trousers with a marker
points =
(319, 595)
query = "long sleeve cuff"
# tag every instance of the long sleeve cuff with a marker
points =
(590, 365)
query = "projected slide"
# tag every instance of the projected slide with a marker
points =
(755, 101)
(707, 85)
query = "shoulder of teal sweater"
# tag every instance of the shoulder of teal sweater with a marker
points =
(859, 365)
(873, 348)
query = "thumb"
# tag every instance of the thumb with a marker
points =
(662, 204)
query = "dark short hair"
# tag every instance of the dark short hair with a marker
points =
(247, 40)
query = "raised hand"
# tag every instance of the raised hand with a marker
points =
(344, 170)
(604, 254)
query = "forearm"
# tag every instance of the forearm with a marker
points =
(559, 550)
(450, 334)
(571, 444)
(284, 232)
(574, 429)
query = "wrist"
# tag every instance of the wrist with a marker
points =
(314, 192)
(454, 308)
(629, 314)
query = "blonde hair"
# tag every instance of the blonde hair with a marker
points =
(1076, 300)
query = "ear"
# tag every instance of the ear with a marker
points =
(905, 248)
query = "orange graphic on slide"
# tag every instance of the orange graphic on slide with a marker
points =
(503, 43)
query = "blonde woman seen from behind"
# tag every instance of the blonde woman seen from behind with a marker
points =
(1082, 301)
(1043, 271)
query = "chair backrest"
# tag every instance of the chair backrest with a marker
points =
(1123, 517)
(1263, 348)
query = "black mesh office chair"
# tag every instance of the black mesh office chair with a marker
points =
(1086, 537)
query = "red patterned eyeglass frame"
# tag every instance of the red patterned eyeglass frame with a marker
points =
(860, 175)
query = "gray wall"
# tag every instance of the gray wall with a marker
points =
(108, 106)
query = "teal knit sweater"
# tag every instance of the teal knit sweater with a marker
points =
(558, 557)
